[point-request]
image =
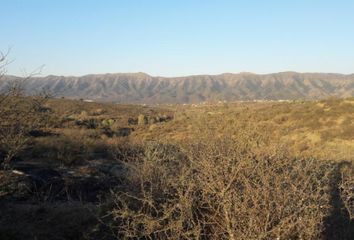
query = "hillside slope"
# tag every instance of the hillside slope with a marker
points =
(142, 88)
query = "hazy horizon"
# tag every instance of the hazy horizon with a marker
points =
(178, 76)
(178, 38)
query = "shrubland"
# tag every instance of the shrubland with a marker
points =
(214, 171)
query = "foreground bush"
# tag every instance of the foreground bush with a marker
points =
(223, 189)
(19, 117)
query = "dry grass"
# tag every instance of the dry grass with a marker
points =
(230, 187)
(236, 171)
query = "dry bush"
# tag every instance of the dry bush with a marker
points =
(156, 200)
(67, 151)
(347, 190)
(254, 195)
(19, 115)
(71, 147)
(230, 187)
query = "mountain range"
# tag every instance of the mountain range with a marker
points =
(143, 88)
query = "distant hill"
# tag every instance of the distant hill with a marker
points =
(142, 88)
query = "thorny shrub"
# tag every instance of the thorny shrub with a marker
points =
(230, 187)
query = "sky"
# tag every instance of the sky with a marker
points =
(177, 37)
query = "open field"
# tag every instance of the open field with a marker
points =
(250, 170)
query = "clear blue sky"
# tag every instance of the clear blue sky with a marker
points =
(178, 37)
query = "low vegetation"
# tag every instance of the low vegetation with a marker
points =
(79, 170)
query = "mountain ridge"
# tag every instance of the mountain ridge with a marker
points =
(190, 75)
(143, 88)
